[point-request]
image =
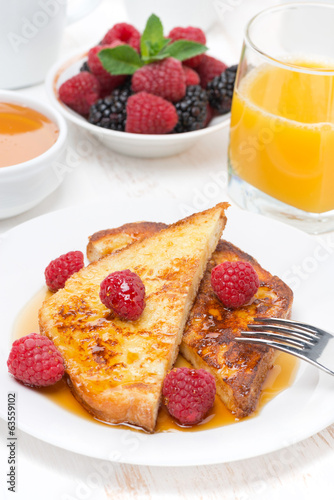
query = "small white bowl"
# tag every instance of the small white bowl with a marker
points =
(139, 145)
(24, 185)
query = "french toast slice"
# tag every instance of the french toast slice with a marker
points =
(116, 368)
(209, 337)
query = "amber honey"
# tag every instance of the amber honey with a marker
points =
(280, 377)
(24, 134)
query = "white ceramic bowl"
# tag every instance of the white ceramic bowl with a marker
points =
(24, 185)
(139, 145)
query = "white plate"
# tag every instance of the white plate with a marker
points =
(138, 145)
(296, 413)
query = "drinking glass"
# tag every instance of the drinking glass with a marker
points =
(281, 149)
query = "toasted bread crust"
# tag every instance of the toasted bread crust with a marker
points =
(116, 367)
(120, 237)
(208, 341)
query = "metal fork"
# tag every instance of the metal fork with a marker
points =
(305, 341)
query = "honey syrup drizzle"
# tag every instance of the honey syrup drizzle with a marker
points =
(280, 377)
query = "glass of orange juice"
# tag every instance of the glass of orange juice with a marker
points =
(281, 150)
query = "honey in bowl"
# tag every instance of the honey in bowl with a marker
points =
(280, 377)
(24, 134)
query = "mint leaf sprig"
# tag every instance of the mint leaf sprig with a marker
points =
(124, 60)
(152, 41)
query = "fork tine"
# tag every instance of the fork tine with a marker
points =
(268, 336)
(298, 335)
(287, 322)
(285, 348)
(272, 343)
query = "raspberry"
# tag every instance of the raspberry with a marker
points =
(80, 92)
(150, 114)
(209, 68)
(60, 269)
(35, 361)
(107, 81)
(125, 33)
(192, 34)
(235, 283)
(124, 293)
(190, 75)
(189, 394)
(165, 79)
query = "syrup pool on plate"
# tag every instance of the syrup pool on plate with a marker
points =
(280, 377)
(24, 134)
(282, 133)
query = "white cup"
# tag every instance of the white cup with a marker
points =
(30, 36)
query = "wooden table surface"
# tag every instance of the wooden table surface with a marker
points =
(197, 178)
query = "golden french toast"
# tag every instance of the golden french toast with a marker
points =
(116, 368)
(100, 243)
(209, 337)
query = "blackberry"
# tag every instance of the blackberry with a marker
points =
(127, 83)
(85, 67)
(220, 90)
(110, 112)
(191, 110)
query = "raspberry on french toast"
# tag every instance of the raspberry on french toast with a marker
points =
(208, 341)
(116, 367)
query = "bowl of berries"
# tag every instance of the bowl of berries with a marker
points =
(142, 94)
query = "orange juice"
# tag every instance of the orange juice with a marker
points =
(282, 134)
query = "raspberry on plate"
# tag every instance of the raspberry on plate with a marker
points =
(80, 92)
(234, 283)
(209, 68)
(189, 394)
(150, 114)
(124, 293)
(107, 81)
(60, 269)
(125, 33)
(191, 76)
(35, 361)
(164, 78)
(192, 34)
